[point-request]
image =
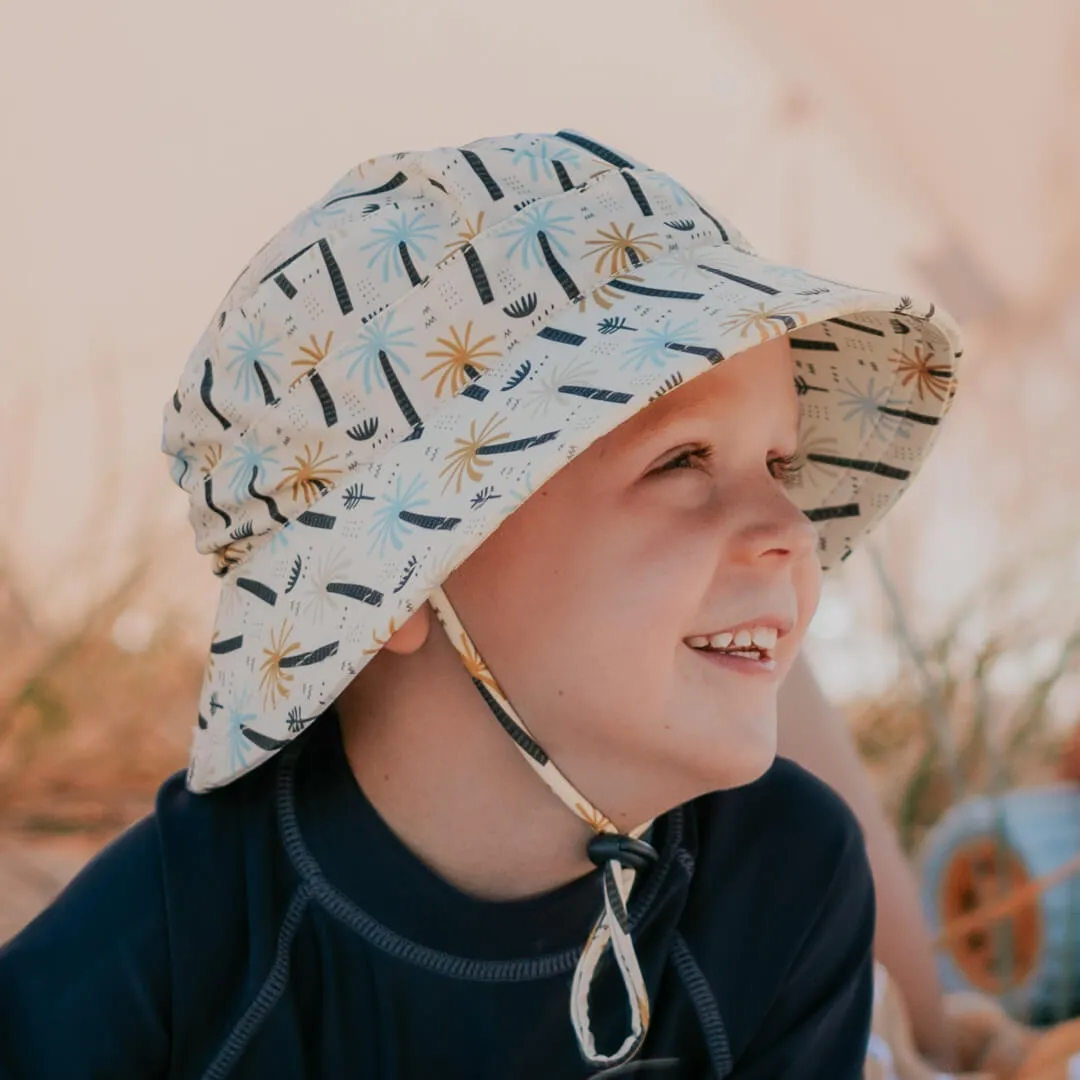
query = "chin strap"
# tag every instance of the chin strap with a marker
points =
(619, 857)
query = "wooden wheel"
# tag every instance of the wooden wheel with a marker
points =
(980, 872)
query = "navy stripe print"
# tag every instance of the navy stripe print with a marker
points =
(644, 290)
(479, 275)
(285, 285)
(533, 749)
(429, 521)
(356, 592)
(831, 513)
(516, 445)
(594, 148)
(271, 506)
(907, 414)
(205, 389)
(395, 181)
(876, 467)
(220, 648)
(291, 259)
(306, 659)
(564, 177)
(638, 193)
(767, 289)
(594, 393)
(557, 269)
(208, 495)
(714, 356)
(337, 280)
(329, 409)
(563, 337)
(259, 589)
(486, 178)
(858, 326)
(314, 520)
(813, 346)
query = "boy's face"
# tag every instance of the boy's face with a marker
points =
(674, 526)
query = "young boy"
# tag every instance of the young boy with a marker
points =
(520, 469)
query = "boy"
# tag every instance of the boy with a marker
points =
(515, 439)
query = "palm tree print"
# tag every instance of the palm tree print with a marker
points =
(604, 296)
(386, 524)
(461, 362)
(919, 367)
(466, 459)
(250, 454)
(310, 476)
(621, 250)
(543, 392)
(333, 566)
(375, 338)
(673, 187)
(466, 235)
(768, 321)
(251, 362)
(279, 539)
(378, 642)
(475, 666)
(543, 157)
(211, 459)
(811, 447)
(867, 404)
(399, 243)
(526, 228)
(312, 354)
(274, 682)
(598, 821)
(652, 347)
(238, 716)
(316, 217)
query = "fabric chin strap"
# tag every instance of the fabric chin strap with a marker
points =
(619, 856)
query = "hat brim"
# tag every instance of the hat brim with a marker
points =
(313, 602)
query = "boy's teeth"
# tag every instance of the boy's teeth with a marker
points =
(761, 638)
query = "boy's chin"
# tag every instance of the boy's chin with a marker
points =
(737, 751)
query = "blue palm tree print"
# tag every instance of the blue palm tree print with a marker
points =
(279, 539)
(526, 226)
(239, 713)
(252, 355)
(542, 157)
(674, 188)
(399, 242)
(867, 404)
(378, 336)
(387, 526)
(249, 455)
(650, 347)
(316, 217)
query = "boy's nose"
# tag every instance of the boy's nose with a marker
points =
(777, 528)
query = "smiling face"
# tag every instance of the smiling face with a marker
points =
(590, 603)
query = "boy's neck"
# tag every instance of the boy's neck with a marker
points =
(449, 782)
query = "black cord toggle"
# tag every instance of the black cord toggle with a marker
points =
(625, 850)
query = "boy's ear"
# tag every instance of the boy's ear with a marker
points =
(412, 634)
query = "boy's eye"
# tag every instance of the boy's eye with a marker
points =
(786, 469)
(691, 458)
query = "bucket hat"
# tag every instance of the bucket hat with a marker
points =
(413, 355)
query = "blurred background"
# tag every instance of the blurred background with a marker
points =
(929, 148)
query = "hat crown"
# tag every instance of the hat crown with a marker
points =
(413, 274)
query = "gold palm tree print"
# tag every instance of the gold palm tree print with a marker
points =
(593, 818)
(273, 681)
(465, 460)
(310, 476)
(378, 642)
(767, 321)
(621, 250)
(934, 379)
(211, 459)
(475, 666)
(312, 354)
(604, 296)
(461, 364)
(467, 235)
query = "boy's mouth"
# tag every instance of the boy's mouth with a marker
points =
(753, 645)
